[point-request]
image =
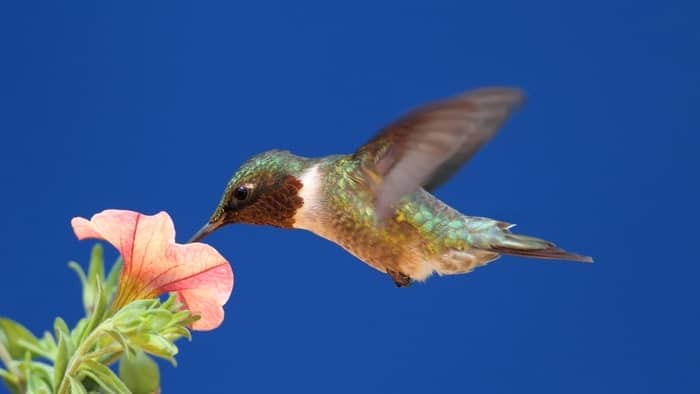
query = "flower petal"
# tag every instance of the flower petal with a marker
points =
(155, 264)
(210, 314)
(117, 227)
(202, 278)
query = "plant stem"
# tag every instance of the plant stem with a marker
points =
(81, 351)
(7, 360)
(113, 358)
(105, 351)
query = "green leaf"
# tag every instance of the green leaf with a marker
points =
(130, 317)
(129, 351)
(95, 275)
(60, 326)
(90, 385)
(79, 331)
(177, 332)
(190, 320)
(182, 315)
(140, 373)
(42, 369)
(171, 303)
(155, 345)
(11, 381)
(98, 313)
(39, 379)
(47, 342)
(103, 376)
(157, 319)
(40, 351)
(5, 374)
(76, 387)
(61, 360)
(38, 386)
(128, 324)
(96, 270)
(79, 271)
(185, 318)
(110, 284)
(34, 378)
(138, 306)
(15, 338)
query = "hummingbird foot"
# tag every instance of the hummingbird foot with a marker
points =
(400, 279)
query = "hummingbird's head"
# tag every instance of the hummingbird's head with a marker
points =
(264, 191)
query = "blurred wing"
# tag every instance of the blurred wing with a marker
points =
(428, 145)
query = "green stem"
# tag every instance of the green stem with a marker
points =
(7, 360)
(113, 358)
(106, 353)
(80, 352)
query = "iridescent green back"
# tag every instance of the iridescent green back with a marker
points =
(422, 228)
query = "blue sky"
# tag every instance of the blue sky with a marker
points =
(153, 106)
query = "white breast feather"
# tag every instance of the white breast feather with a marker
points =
(306, 216)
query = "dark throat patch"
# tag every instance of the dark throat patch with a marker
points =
(276, 207)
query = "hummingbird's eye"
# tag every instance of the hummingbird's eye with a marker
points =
(241, 193)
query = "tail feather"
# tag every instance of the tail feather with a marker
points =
(522, 245)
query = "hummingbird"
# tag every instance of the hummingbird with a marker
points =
(376, 203)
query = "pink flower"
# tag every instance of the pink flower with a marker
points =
(154, 264)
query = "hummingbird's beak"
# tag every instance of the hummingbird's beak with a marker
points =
(206, 230)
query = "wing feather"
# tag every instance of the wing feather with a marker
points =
(428, 145)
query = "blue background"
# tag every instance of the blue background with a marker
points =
(152, 105)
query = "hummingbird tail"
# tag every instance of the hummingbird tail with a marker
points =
(522, 245)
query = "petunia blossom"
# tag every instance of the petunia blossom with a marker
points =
(154, 264)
